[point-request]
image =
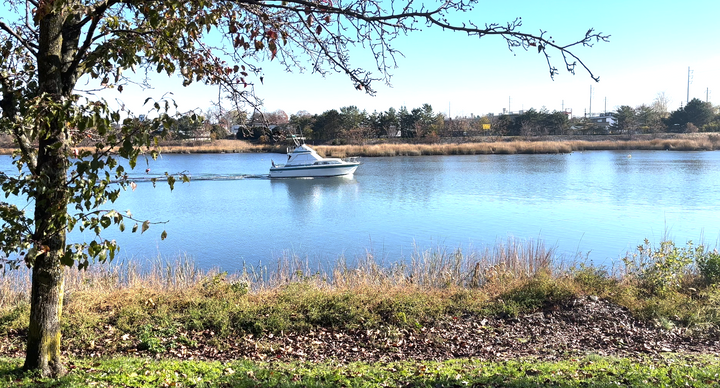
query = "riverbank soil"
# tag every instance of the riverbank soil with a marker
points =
(573, 328)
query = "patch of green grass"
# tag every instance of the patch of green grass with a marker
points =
(594, 280)
(540, 291)
(15, 318)
(669, 370)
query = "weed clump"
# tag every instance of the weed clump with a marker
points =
(709, 266)
(662, 269)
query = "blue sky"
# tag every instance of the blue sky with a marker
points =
(652, 44)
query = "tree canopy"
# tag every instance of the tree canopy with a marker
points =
(696, 112)
(49, 46)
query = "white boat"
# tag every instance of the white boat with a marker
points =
(303, 162)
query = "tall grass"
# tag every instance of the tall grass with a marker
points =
(438, 268)
(213, 147)
(14, 289)
(508, 277)
(697, 143)
(500, 145)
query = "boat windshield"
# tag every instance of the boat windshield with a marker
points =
(301, 159)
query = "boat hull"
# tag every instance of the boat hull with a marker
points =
(313, 171)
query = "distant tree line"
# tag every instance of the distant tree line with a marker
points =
(696, 116)
(351, 125)
(348, 124)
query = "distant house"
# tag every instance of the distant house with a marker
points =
(605, 120)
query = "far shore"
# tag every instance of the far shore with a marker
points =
(459, 146)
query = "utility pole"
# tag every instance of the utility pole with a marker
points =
(590, 112)
(688, 84)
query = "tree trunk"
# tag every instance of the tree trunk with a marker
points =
(51, 201)
(43, 344)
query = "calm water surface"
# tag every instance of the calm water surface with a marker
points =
(601, 204)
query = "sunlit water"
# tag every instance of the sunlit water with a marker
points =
(599, 204)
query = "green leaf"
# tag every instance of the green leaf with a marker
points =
(67, 259)
(171, 182)
(145, 226)
(163, 235)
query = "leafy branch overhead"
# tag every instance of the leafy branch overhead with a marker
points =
(226, 42)
(71, 144)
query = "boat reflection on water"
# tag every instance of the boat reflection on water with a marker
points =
(318, 204)
(299, 187)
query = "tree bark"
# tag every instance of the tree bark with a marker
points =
(51, 201)
(43, 344)
(44, 334)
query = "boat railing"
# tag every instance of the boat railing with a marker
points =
(351, 159)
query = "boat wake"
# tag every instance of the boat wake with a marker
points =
(202, 177)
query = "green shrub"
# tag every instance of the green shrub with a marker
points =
(713, 126)
(709, 265)
(541, 291)
(594, 280)
(218, 285)
(150, 340)
(661, 269)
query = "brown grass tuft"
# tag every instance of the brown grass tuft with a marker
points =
(432, 269)
(217, 146)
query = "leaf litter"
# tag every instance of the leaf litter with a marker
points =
(568, 329)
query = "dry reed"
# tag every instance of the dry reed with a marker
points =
(213, 147)
(698, 142)
(677, 142)
(430, 269)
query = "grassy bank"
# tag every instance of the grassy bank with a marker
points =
(173, 303)
(560, 320)
(469, 146)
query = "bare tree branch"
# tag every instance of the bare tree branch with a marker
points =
(32, 47)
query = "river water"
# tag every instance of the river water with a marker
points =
(599, 204)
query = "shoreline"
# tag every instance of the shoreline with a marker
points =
(460, 146)
(511, 302)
